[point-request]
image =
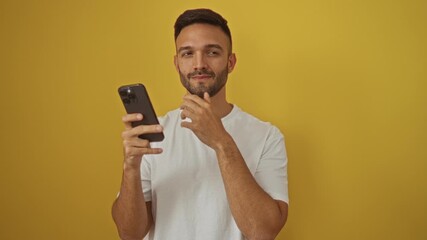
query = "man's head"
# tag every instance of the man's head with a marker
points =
(203, 51)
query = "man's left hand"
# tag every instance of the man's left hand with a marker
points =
(204, 123)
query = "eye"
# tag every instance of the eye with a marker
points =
(213, 53)
(187, 54)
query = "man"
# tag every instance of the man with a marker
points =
(220, 173)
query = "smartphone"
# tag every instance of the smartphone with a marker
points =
(135, 99)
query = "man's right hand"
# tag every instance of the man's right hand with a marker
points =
(133, 146)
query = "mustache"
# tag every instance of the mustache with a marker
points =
(201, 72)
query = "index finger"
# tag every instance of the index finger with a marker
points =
(196, 99)
(129, 118)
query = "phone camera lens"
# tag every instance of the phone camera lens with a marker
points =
(123, 93)
(132, 96)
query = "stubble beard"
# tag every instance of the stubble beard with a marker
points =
(200, 88)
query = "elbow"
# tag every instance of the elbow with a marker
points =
(130, 234)
(263, 234)
(126, 236)
(126, 233)
(267, 231)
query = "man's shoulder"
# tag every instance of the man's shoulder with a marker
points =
(250, 121)
(170, 116)
(249, 118)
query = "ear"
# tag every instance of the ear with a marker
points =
(231, 62)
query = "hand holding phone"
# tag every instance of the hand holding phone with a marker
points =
(136, 100)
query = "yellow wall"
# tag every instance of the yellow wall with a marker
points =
(344, 80)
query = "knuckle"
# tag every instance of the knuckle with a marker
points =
(125, 134)
(139, 129)
(125, 142)
(128, 151)
(145, 143)
(126, 118)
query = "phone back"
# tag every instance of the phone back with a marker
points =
(136, 100)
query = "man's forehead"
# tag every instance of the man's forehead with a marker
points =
(201, 35)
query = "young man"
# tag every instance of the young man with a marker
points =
(220, 173)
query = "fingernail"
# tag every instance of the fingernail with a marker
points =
(139, 116)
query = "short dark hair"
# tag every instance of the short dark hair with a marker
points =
(201, 15)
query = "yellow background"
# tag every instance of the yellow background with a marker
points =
(344, 80)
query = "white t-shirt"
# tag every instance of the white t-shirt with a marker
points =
(184, 182)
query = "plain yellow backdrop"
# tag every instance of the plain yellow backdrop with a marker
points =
(345, 81)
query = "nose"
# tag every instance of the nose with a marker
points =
(199, 61)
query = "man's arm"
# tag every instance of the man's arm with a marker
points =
(257, 215)
(131, 213)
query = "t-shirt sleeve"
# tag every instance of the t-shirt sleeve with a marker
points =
(271, 173)
(146, 178)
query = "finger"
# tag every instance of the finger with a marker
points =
(189, 116)
(207, 97)
(138, 147)
(182, 114)
(186, 125)
(142, 129)
(196, 99)
(136, 142)
(153, 150)
(134, 151)
(129, 118)
(184, 117)
(189, 105)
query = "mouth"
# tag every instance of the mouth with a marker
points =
(201, 77)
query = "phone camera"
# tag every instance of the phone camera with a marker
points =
(123, 93)
(128, 96)
(131, 96)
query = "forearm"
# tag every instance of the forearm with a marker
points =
(130, 210)
(257, 215)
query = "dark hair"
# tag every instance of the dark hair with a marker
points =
(201, 15)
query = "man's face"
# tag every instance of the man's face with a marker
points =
(203, 59)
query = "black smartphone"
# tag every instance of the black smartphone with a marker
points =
(135, 99)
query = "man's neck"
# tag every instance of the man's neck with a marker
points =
(220, 105)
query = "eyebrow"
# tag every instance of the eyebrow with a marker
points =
(207, 46)
(184, 48)
(214, 46)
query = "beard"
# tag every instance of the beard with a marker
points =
(200, 88)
